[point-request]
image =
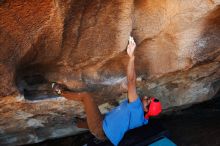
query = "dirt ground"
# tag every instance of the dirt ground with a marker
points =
(195, 126)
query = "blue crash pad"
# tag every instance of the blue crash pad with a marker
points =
(163, 142)
(141, 136)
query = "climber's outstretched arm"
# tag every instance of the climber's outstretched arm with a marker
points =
(131, 75)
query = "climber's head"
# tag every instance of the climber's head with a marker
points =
(152, 106)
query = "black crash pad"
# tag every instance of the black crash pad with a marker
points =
(141, 136)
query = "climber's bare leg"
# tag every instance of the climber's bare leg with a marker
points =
(81, 123)
(94, 116)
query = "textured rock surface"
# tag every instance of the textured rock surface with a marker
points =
(82, 44)
(25, 122)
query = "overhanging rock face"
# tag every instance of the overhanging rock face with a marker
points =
(82, 45)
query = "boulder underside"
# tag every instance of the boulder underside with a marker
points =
(82, 44)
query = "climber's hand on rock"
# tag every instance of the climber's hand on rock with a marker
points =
(131, 46)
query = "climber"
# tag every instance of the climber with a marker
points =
(131, 113)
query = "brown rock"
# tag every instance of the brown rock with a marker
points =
(82, 45)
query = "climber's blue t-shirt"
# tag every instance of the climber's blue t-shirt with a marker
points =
(124, 117)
